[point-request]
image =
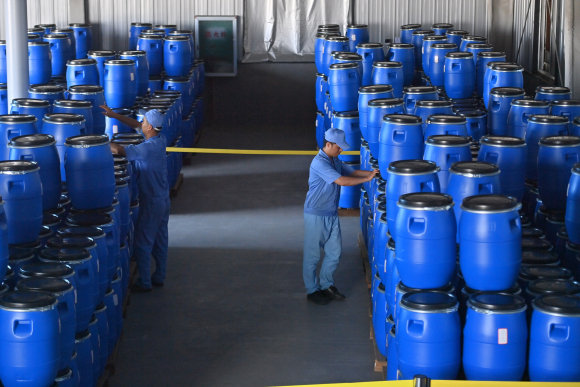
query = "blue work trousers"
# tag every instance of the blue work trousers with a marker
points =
(320, 232)
(151, 239)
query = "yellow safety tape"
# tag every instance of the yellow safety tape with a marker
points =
(250, 151)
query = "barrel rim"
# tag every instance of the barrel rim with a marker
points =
(79, 25)
(444, 46)
(420, 89)
(357, 26)
(507, 92)
(553, 90)
(72, 104)
(549, 304)
(448, 140)
(44, 301)
(338, 38)
(519, 303)
(38, 43)
(423, 32)
(565, 102)
(441, 26)
(68, 255)
(442, 307)
(503, 141)
(491, 54)
(18, 167)
(428, 104)
(376, 89)
(58, 286)
(182, 38)
(530, 102)
(445, 119)
(560, 141)
(490, 204)
(17, 119)
(539, 257)
(414, 167)
(479, 45)
(402, 45)
(459, 55)
(46, 89)
(471, 169)
(30, 102)
(439, 202)
(388, 64)
(526, 272)
(547, 119)
(458, 32)
(411, 26)
(534, 289)
(435, 38)
(55, 36)
(38, 140)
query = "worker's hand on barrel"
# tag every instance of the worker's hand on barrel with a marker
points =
(372, 174)
(107, 110)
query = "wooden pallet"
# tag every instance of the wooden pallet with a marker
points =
(178, 183)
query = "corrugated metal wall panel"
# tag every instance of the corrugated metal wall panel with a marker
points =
(526, 55)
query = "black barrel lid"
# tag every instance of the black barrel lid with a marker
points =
(54, 35)
(357, 26)
(73, 103)
(133, 53)
(151, 35)
(79, 336)
(535, 244)
(17, 118)
(551, 286)
(472, 113)
(448, 140)
(49, 219)
(446, 119)
(505, 66)
(560, 141)
(457, 32)
(560, 304)
(25, 299)
(420, 89)
(47, 89)
(502, 140)
(89, 219)
(410, 26)
(347, 56)
(491, 54)
(36, 29)
(402, 119)
(76, 242)
(497, 301)
(52, 285)
(142, 24)
(474, 167)
(508, 91)
(413, 166)
(401, 45)
(459, 55)
(539, 257)
(406, 289)
(436, 38)
(373, 89)
(548, 119)
(490, 203)
(128, 141)
(438, 104)
(565, 102)
(31, 102)
(88, 139)
(87, 231)
(18, 166)
(85, 89)
(385, 102)
(120, 62)
(343, 66)
(324, 35)
(79, 25)
(177, 37)
(480, 46)
(428, 300)
(553, 90)
(388, 64)
(81, 62)
(120, 160)
(186, 79)
(442, 26)
(337, 38)
(351, 114)
(426, 200)
(556, 217)
(63, 118)
(530, 102)
(369, 45)
(444, 46)
(32, 140)
(64, 255)
(474, 38)
(424, 32)
(101, 53)
(18, 253)
(531, 273)
(182, 32)
(137, 136)
(174, 92)
(531, 232)
(64, 30)
(45, 232)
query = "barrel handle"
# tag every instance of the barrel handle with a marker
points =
(83, 276)
(495, 106)
(453, 158)
(399, 135)
(415, 328)
(79, 74)
(490, 157)
(475, 125)
(571, 159)
(63, 309)
(26, 158)
(428, 186)
(515, 223)
(416, 226)
(485, 189)
(22, 328)
(173, 47)
(455, 67)
(525, 117)
(392, 76)
(493, 80)
(559, 332)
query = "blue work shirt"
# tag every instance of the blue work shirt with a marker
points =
(151, 162)
(323, 193)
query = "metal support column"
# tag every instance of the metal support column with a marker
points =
(16, 49)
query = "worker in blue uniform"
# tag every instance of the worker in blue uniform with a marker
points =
(321, 224)
(151, 235)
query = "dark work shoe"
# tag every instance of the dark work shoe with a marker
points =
(318, 297)
(136, 288)
(333, 294)
(157, 284)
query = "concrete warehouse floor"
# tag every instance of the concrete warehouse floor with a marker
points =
(233, 311)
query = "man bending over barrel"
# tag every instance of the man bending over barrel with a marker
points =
(321, 224)
(151, 235)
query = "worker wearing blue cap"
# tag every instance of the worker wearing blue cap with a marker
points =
(322, 227)
(151, 235)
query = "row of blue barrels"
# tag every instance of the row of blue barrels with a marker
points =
(173, 52)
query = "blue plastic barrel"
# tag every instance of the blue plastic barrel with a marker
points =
(366, 94)
(3, 99)
(82, 72)
(177, 55)
(481, 61)
(95, 344)
(553, 93)
(357, 33)
(408, 176)
(76, 107)
(4, 252)
(349, 123)
(444, 150)
(124, 197)
(21, 189)
(417, 42)
(569, 109)
(319, 50)
(63, 290)
(371, 53)
(83, 35)
(495, 337)
(490, 257)
(429, 335)
(376, 110)
(39, 62)
(321, 87)
(573, 206)
(96, 96)
(459, 77)
(29, 106)
(556, 157)
(477, 48)
(101, 57)
(50, 93)
(501, 74)
(509, 153)
(69, 32)
(142, 66)
(443, 124)
(167, 28)
(425, 230)
(400, 138)
(500, 100)
(389, 73)
(347, 57)
(47, 27)
(555, 339)
(343, 85)
(37, 30)
(155, 83)
(403, 53)
(540, 126)
(182, 85)
(332, 43)
(60, 49)
(442, 28)
(437, 54)
(120, 83)
(117, 299)
(455, 36)
(428, 42)
(189, 34)
(111, 319)
(401, 289)
(40, 148)
(85, 358)
(426, 108)
(520, 111)
(34, 353)
(114, 126)
(470, 178)
(476, 123)
(61, 126)
(406, 34)
(470, 39)
(134, 32)
(103, 328)
(418, 93)
(90, 171)
(320, 129)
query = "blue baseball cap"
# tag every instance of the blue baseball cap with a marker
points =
(337, 136)
(154, 117)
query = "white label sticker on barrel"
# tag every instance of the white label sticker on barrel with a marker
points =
(436, 58)
(502, 336)
(353, 37)
(115, 129)
(132, 77)
(115, 300)
(321, 87)
(316, 122)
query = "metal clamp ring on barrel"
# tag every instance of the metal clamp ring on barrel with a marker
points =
(31, 147)
(19, 172)
(515, 208)
(441, 208)
(64, 122)
(490, 312)
(437, 169)
(449, 310)
(451, 145)
(474, 175)
(552, 313)
(85, 145)
(39, 309)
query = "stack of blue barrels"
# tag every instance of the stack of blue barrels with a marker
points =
(68, 206)
(472, 225)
